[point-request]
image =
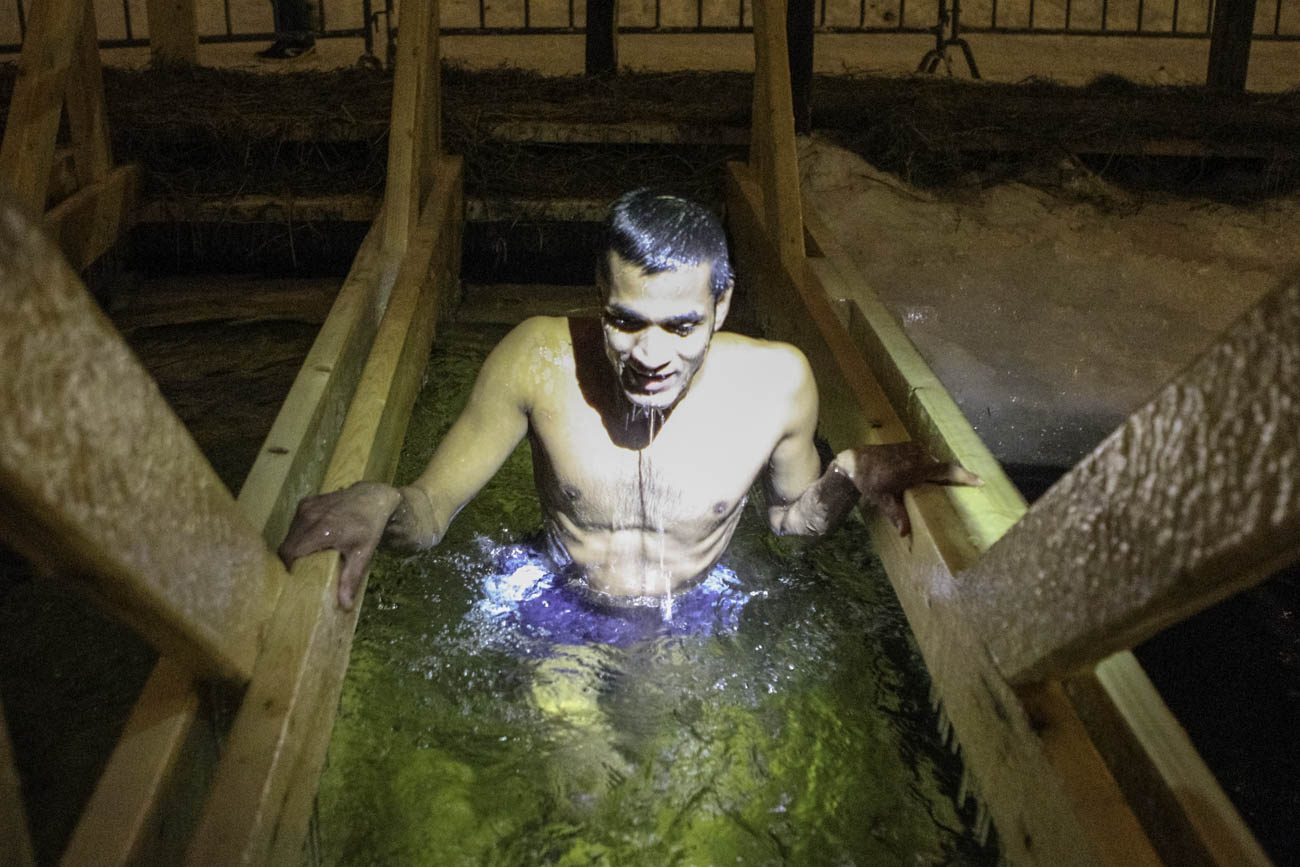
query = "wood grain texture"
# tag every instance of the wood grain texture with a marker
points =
(113, 825)
(258, 807)
(102, 484)
(88, 223)
(1193, 498)
(777, 167)
(1049, 793)
(173, 32)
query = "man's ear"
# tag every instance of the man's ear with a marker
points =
(721, 307)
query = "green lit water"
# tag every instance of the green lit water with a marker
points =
(803, 737)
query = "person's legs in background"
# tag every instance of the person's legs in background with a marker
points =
(296, 24)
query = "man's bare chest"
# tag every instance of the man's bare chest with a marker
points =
(696, 466)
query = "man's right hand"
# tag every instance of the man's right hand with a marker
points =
(350, 521)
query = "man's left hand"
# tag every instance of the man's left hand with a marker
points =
(882, 473)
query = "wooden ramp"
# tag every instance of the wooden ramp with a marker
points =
(1023, 617)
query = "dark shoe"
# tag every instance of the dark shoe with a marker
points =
(287, 49)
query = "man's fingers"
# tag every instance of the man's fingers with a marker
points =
(953, 474)
(896, 512)
(354, 568)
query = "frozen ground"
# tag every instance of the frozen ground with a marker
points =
(1052, 311)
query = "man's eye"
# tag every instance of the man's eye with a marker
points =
(683, 330)
(623, 323)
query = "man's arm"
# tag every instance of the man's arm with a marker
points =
(353, 520)
(804, 503)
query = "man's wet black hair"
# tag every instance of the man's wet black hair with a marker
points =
(658, 232)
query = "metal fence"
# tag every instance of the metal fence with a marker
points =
(123, 22)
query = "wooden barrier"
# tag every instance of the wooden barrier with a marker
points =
(59, 71)
(1041, 756)
(1190, 500)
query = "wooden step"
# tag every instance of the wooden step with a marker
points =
(512, 303)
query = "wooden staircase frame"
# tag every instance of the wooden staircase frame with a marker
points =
(1067, 743)
(278, 635)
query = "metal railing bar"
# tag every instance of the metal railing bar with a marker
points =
(482, 14)
(1105, 8)
(126, 18)
(994, 17)
(1031, 15)
(230, 26)
(22, 18)
(1277, 17)
(1174, 27)
(902, 12)
(1140, 10)
(528, 13)
(1069, 9)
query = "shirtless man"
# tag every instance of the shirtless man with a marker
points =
(648, 427)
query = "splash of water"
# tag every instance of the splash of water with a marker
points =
(654, 417)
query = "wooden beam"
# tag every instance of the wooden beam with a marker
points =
(173, 32)
(602, 38)
(86, 108)
(260, 800)
(408, 133)
(50, 49)
(1230, 37)
(1190, 500)
(1186, 815)
(292, 460)
(15, 838)
(777, 166)
(101, 483)
(1047, 789)
(1190, 820)
(87, 224)
(800, 16)
(115, 823)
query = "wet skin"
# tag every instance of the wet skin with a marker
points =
(648, 429)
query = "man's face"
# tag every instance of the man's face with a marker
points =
(658, 328)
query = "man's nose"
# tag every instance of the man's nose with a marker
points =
(651, 352)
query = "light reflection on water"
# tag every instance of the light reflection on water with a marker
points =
(799, 734)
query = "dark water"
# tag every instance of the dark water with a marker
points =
(801, 736)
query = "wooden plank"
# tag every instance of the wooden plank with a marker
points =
(101, 483)
(777, 168)
(1185, 813)
(1190, 500)
(173, 32)
(113, 825)
(1230, 36)
(15, 838)
(262, 208)
(257, 808)
(430, 101)
(49, 51)
(800, 18)
(601, 44)
(87, 111)
(292, 460)
(87, 224)
(406, 134)
(1190, 819)
(1047, 789)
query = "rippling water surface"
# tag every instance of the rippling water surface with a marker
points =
(799, 735)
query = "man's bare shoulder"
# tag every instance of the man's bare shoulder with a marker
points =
(780, 367)
(538, 340)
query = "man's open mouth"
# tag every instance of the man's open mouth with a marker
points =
(645, 383)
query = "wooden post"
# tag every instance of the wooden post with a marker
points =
(15, 839)
(1190, 500)
(50, 49)
(1175, 798)
(799, 20)
(602, 37)
(772, 149)
(408, 135)
(173, 32)
(260, 800)
(1230, 38)
(101, 483)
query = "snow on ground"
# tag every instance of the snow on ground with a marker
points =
(1051, 312)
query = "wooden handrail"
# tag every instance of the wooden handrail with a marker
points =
(1190, 500)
